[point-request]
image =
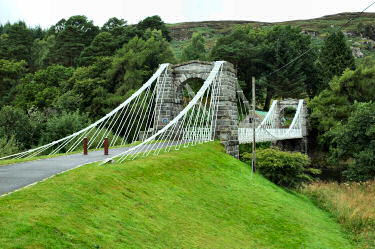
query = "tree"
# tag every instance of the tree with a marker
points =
(16, 42)
(10, 74)
(244, 49)
(285, 44)
(136, 61)
(335, 56)
(68, 102)
(103, 44)
(72, 36)
(8, 146)
(333, 106)
(42, 88)
(153, 22)
(195, 50)
(119, 29)
(38, 33)
(39, 53)
(88, 82)
(15, 123)
(62, 125)
(356, 139)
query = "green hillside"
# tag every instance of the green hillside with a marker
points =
(196, 198)
(318, 28)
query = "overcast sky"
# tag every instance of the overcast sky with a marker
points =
(47, 12)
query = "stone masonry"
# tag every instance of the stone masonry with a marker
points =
(292, 144)
(172, 99)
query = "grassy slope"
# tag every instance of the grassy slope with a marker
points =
(198, 198)
(352, 204)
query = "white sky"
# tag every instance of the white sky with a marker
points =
(48, 12)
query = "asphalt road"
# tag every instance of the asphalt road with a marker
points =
(15, 176)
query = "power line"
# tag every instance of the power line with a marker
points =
(307, 51)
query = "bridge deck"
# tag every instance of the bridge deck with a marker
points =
(245, 135)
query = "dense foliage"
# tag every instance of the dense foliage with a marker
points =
(342, 114)
(356, 139)
(54, 82)
(288, 169)
(261, 52)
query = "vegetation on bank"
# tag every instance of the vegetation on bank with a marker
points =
(352, 204)
(170, 201)
(288, 169)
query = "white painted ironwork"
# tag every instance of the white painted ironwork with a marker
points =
(270, 130)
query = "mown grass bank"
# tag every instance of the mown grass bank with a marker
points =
(352, 204)
(195, 198)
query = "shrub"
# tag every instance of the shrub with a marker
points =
(287, 169)
(60, 126)
(8, 146)
(356, 140)
(99, 135)
(15, 122)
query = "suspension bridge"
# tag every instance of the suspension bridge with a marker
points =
(156, 116)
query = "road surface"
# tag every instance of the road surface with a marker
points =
(16, 176)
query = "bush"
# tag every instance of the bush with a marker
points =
(287, 169)
(60, 126)
(15, 122)
(99, 137)
(356, 140)
(8, 146)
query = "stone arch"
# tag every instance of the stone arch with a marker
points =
(227, 121)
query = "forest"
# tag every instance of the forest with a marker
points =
(58, 80)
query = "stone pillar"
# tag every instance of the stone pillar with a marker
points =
(227, 116)
(166, 101)
(300, 144)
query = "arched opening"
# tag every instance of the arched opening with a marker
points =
(189, 88)
(286, 116)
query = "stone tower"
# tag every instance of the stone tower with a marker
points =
(172, 99)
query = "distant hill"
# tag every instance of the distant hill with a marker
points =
(183, 31)
(317, 28)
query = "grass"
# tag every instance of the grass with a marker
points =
(353, 205)
(193, 198)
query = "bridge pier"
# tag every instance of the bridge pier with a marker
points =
(299, 144)
(171, 96)
(227, 116)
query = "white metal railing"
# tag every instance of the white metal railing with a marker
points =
(269, 129)
(194, 133)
